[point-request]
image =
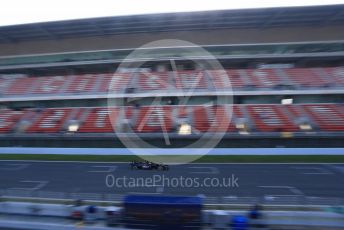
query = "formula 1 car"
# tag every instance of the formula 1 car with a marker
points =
(148, 166)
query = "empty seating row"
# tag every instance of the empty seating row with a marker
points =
(237, 79)
(200, 118)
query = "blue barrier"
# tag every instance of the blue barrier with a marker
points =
(173, 151)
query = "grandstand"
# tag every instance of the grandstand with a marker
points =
(284, 68)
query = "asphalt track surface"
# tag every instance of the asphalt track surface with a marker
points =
(242, 180)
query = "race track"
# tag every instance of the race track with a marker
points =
(233, 180)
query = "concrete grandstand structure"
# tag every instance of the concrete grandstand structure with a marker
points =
(284, 67)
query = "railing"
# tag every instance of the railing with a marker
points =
(209, 201)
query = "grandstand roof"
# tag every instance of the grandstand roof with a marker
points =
(224, 19)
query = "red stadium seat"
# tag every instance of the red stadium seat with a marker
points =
(326, 116)
(270, 118)
(149, 81)
(99, 120)
(220, 120)
(50, 121)
(226, 79)
(114, 82)
(20, 86)
(263, 78)
(154, 119)
(82, 84)
(202, 118)
(44, 85)
(305, 77)
(336, 75)
(8, 119)
(190, 80)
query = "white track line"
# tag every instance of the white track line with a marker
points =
(14, 167)
(278, 195)
(290, 188)
(337, 168)
(208, 170)
(314, 171)
(39, 185)
(109, 169)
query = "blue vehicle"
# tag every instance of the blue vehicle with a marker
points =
(162, 212)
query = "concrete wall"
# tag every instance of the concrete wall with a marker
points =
(201, 37)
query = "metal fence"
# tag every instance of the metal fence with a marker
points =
(208, 200)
